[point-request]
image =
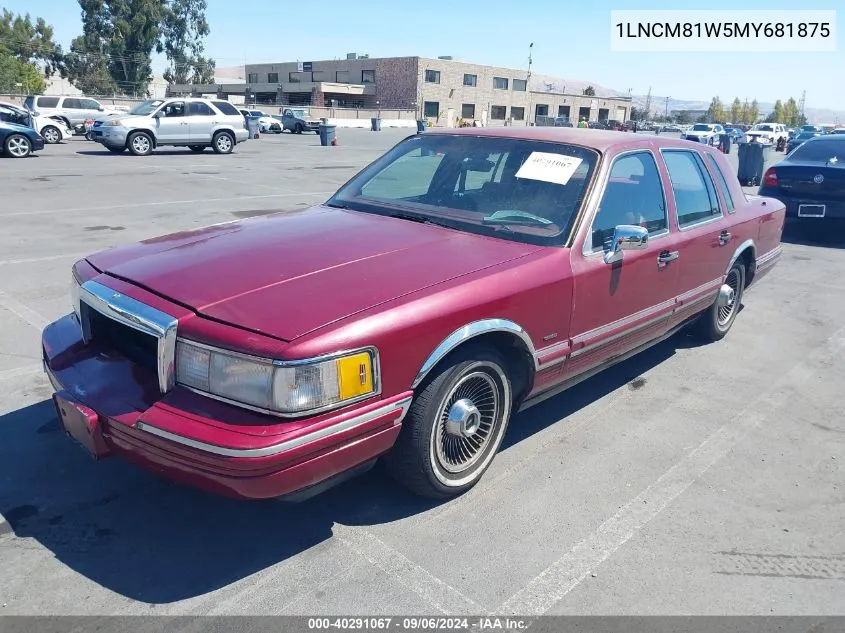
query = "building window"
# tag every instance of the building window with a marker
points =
(542, 110)
(518, 114)
(319, 75)
(520, 85)
(500, 83)
(468, 111)
(368, 76)
(432, 76)
(498, 112)
(342, 76)
(272, 78)
(431, 109)
(252, 78)
(563, 111)
(470, 80)
(295, 78)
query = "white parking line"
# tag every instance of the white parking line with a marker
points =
(166, 203)
(437, 593)
(32, 260)
(27, 314)
(557, 580)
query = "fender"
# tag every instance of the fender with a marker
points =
(749, 243)
(467, 332)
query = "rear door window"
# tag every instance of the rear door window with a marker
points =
(71, 103)
(723, 184)
(695, 195)
(197, 108)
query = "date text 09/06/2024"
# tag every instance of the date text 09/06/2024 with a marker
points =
(418, 623)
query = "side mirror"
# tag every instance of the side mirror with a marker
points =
(626, 237)
(101, 109)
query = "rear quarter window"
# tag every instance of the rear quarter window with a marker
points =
(721, 182)
(47, 102)
(226, 108)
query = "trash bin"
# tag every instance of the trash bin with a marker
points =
(327, 134)
(726, 143)
(375, 124)
(252, 126)
(752, 159)
(420, 125)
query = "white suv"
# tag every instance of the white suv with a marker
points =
(767, 133)
(194, 123)
(72, 111)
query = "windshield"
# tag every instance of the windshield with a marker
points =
(256, 113)
(764, 128)
(301, 114)
(515, 189)
(701, 127)
(820, 151)
(146, 107)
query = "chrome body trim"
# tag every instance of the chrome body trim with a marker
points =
(769, 259)
(467, 332)
(749, 243)
(138, 316)
(700, 290)
(372, 351)
(402, 405)
(581, 338)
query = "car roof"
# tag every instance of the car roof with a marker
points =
(600, 140)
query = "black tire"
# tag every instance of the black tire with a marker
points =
(714, 324)
(197, 148)
(298, 129)
(140, 144)
(420, 458)
(223, 143)
(51, 134)
(17, 146)
(89, 136)
(116, 150)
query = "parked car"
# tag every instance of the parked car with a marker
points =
(266, 123)
(735, 133)
(299, 120)
(799, 139)
(51, 131)
(767, 134)
(707, 133)
(194, 123)
(72, 111)
(812, 128)
(838, 130)
(410, 315)
(19, 141)
(811, 180)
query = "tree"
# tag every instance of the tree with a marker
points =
(637, 114)
(776, 115)
(87, 67)
(17, 76)
(30, 42)
(683, 117)
(125, 33)
(753, 112)
(790, 112)
(589, 91)
(182, 32)
(745, 115)
(716, 111)
(736, 111)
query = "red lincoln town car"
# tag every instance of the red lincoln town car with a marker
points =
(461, 277)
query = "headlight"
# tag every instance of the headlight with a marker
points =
(284, 388)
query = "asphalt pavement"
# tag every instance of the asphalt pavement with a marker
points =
(687, 480)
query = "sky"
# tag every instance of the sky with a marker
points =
(571, 41)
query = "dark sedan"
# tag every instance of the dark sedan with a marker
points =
(811, 180)
(799, 139)
(19, 141)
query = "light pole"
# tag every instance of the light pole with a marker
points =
(666, 114)
(528, 85)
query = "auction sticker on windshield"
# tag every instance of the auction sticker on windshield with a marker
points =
(556, 168)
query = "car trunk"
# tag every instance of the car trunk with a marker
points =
(802, 180)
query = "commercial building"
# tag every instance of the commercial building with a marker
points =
(441, 89)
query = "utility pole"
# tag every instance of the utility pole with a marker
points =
(528, 117)
(648, 104)
(801, 104)
(666, 113)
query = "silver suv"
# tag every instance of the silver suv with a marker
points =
(194, 123)
(72, 111)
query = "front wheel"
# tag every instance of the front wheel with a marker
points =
(223, 143)
(51, 134)
(715, 323)
(140, 144)
(297, 129)
(454, 427)
(18, 146)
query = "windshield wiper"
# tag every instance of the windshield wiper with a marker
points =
(506, 217)
(418, 218)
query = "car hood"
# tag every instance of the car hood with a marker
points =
(287, 274)
(699, 132)
(16, 127)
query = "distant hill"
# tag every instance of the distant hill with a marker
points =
(658, 106)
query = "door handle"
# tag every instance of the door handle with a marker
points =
(724, 238)
(667, 256)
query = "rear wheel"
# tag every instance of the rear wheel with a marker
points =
(298, 129)
(454, 427)
(715, 323)
(18, 146)
(140, 144)
(197, 148)
(223, 143)
(51, 134)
